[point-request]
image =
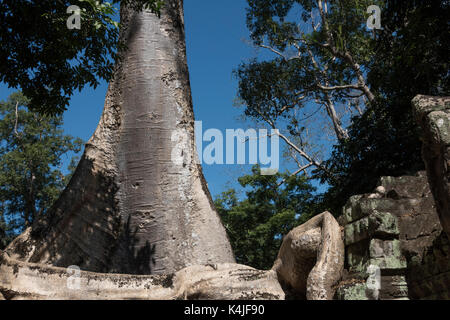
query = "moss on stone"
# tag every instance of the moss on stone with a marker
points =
(356, 291)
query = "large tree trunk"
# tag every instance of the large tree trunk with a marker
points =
(129, 207)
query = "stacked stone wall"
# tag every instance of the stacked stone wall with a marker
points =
(395, 247)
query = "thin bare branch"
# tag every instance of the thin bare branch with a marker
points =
(302, 152)
(273, 50)
(341, 133)
(287, 107)
(278, 53)
(313, 24)
(17, 119)
(344, 55)
(295, 173)
(343, 87)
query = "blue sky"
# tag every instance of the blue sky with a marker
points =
(217, 42)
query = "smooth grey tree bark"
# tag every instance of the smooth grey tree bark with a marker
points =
(138, 202)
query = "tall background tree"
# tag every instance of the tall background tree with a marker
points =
(316, 79)
(410, 57)
(339, 92)
(33, 171)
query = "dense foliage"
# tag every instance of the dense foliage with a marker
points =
(32, 170)
(256, 224)
(39, 54)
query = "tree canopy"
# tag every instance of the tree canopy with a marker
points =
(48, 61)
(316, 80)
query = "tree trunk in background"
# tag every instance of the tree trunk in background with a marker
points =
(129, 208)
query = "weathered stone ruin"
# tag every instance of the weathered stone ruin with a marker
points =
(394, 232)
(390, 244)
(399, 234)
(433, 115)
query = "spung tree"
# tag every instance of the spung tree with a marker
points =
(33, 171)
(137, 202)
